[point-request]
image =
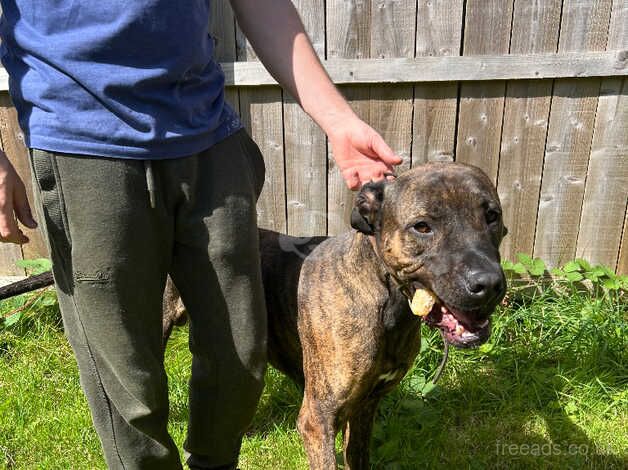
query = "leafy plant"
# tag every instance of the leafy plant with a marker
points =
(598, 275)
(578, 270)
(35, 266)
(16, 310)
(526, 265)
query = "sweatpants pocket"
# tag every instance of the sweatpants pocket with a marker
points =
(51, 209)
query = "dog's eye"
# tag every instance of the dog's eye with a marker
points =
(492, 216)
(422, 227)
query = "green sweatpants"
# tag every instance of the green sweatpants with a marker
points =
(112, 245)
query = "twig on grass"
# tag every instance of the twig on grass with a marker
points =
(26, 305)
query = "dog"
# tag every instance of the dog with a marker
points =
(339, 319)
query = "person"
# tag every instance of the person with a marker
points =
(141, 169)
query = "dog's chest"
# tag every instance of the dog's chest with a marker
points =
(399, 346)
(393, 375)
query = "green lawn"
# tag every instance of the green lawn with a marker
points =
(548, 391)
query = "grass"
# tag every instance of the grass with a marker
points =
(548, 391)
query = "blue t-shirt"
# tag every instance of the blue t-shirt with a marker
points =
(117, 78)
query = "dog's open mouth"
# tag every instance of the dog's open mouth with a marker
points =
(459, 327)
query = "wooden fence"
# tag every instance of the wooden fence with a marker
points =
(532, 91)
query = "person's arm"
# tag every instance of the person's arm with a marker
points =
(277, 34)
(13, 203)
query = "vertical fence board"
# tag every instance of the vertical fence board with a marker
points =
(584, 26)
(305, 145)
(438, 33)
(526, 115)
(348, 26)
(222, 28)
(13, 144)
(622, 264)
(392, 35)
(607, 178)
(618, 29)
(9, 255)
(606, 189)
(262, 114)
(260, 110)
(487, 30)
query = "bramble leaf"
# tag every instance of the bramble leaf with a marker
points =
(507, 265)
(35, 266)
(584, 264)
(12, 319)
(557, 272)
(611, 284)
(574, 276)
(571, 267)
(537, 268)
(524, 259)
(519, 268)
(428, 388)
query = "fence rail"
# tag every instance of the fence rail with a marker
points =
(448, 68)
(534, 93)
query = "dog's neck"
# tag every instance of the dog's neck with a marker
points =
(369, 252)
(368, 245)
(396, 312)
(371, 239)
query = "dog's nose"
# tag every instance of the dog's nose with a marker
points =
(484, 286)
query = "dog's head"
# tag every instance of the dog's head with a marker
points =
(439, 226)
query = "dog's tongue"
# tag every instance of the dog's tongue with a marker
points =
(448, 320)
(453, 326)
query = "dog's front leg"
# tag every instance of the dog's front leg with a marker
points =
(174, 310)
(357, 436)
(317, 429)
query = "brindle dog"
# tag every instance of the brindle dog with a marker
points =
(339, 320)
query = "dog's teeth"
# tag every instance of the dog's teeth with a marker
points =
(443, 309)
(484, 324)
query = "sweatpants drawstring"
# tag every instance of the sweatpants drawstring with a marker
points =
(150, 182)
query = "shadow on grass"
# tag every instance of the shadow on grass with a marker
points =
(441, 431)
(279, 405)
(513, 408)
(524, 404)
(459, 428)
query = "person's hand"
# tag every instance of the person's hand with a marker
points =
(361, 153)
(13, 203)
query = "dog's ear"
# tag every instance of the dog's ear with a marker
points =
(365, 214)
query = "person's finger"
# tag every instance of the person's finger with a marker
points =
(17, 237)
(372, 174)
(9, 231)
(383, 151)
(22, 208)
(351, 178)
